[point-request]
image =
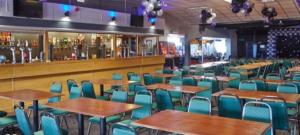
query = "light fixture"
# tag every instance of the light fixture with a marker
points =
(152, 21)
(67, 13)
(113, 16)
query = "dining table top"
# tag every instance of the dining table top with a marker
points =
(198, 124)
(184, 88)
(252, 66)
(294, 69)
(218, 78)
(163, 75)
(257, 95)
(27, 95)
(93, 107)
(113, 82)
(209, 64)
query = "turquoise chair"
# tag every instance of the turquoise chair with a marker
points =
(2, 114)
(131, 87)
(272, 76)
(139, 88)
(189, 81)
(75, 93)
(121, 129)
(234, 83)
(115, 76)
(50, 126)
(279, 112)
(296, 77)
(230, 106)
(176, 96)
(88, 91)
(55, 88)
(148, 79)
(129, 74)
(7, 121)
(158, 71)
(206, 93)
(24, 123)
(164, 101)
(261, 85)
(209, 74)
(117, 96)
(200, 105)
(260, 112)
(248, 85)
(288, 88)
(168, 71)
(157, 79)
(71, 83)
(178, 73)
(143, 99)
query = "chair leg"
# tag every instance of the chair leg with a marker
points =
(29, 114)
(89, 128)
(66, 123)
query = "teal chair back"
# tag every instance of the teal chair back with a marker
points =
(296, 77)
(117, 76)
(71, 83)
(139, 88)
(258, 111)
(235, 74)
(282, 72)
(279, 112)
(56, 88)
(200, 105)
(261, 85)
(230, 106)
(273, 76)
(157, 79)
(215, 85)
(75, 93)
(168, 71)
(88, 89)
(186, 68)
(50, 126)
(144, 99)
(163, 100)
(122, 129)
(176, 94)
(119, 96)
(136, 78)
(287, 88)
(129, 74)
(178, 73)
(209, 74)
(248, 86)
(189, 81)
(235, 83)
(148, 80)
(23, 122)
(206, 93)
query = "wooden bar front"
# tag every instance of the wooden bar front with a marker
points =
(40, 75)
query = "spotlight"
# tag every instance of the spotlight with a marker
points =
(113, 16)
(152, 21)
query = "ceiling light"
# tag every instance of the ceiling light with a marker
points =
(113, 23)
(66, 19)
(229, 1)
(152, 27)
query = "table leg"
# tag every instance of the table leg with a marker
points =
(101, 90)
(103, 126)
(21, 104)
(35, 115)
(80, 124)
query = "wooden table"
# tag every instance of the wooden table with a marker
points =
(294, 69)
(209, 64)
(183, 89)
(257, 95)
(93, 107)
(103, 82)
(196, 124)
(221, 79)
(252, 66)
(29, 95)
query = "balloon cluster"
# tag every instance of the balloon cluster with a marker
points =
(243, 6)
(153, 8)
(269, 13)
(207, 16)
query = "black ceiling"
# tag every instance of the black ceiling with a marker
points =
(117, 5)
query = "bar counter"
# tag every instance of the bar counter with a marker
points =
(40, 75)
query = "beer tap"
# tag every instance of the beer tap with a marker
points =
(22, 48)
(29, 51)
(13, 50)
